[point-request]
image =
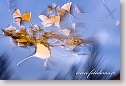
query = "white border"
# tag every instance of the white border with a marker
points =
(121, 82)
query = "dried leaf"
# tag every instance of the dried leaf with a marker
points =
(16, 13)
(48, 21)
(67, 6)
(72, 41)
(18, 17)
(55, 20)
(42, 51)
(61, 12)
(26, 16)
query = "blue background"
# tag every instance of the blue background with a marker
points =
(106, 32)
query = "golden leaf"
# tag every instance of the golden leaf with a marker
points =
(26, 16)
(48, 21)
(42, 51)
(18, 17)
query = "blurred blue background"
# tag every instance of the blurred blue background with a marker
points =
(100, 24)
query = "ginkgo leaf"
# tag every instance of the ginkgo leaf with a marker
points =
(26, 16)
(67, 6)
(18, 17)
(66, 32)
(42, 52)
(48, 21)
(16, 13)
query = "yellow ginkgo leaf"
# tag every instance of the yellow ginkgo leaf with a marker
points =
(67, 6)
(16, 13)
(48, 21)
(42, 52)
(26, 16)
(18, 17)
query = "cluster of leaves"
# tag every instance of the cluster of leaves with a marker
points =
(37, 37)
